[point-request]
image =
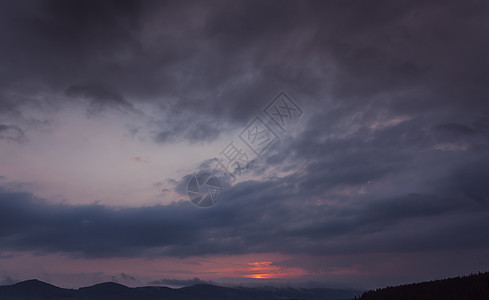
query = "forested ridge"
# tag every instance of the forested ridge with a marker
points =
(471, 287)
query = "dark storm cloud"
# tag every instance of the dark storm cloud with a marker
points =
(54, 42)
(226, 61)
(48, 46)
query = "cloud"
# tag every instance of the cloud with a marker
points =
(191, 132)
(180, 282)
(99, 98)
(127, 277)
(7, 280)
(138, 159)
(224, 63)
(67, 39)
(11, 132)
(456, 127)
(249, 219)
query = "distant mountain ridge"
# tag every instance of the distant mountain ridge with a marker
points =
(38, 290)
(472, 287)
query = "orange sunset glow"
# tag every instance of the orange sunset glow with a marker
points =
(267, 270)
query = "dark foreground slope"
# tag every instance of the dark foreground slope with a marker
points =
(38, 290)
(473, 287)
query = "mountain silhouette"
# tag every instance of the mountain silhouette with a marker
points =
(472, 287)
(35, 289)
(38, 290)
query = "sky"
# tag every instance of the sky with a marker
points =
(349, 140)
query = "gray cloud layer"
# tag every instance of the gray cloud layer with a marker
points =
(277, 215)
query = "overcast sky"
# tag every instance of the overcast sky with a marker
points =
(378, 175)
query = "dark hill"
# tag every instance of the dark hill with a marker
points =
(35, 289)
(473, 287)
(107, 290)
